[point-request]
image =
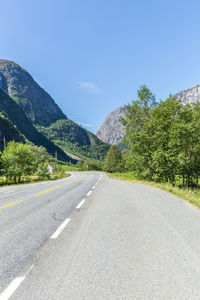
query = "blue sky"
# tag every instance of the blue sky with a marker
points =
(92, 55)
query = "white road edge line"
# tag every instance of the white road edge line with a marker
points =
(93, 187)
(80, 204)
(7, 293)
(88, 194)
(60, 229)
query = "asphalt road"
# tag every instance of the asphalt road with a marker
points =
(124, 241)
(30, 214)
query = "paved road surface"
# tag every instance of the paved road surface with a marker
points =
(30, 214)
(126, 241)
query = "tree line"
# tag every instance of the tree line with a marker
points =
(163, 140)
(20, 161)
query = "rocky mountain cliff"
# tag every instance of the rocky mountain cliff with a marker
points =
(43, 116)
(38, 106)
(191, 95)
(111, 130)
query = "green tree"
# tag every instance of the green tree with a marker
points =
(16, 161)
(40, 156)
(163, 160)
(112, 159)
(80, 164)
(90, 165)
(135, 120)
(138, 112)
(174, 131)
(122, 165)
(164, 141)
(42, 171)
(185, 138)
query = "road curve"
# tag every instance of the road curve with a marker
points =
(118, 240)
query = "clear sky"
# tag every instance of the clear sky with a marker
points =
(92, 55)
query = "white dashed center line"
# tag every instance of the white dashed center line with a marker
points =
(88, 194)
(60, 229)
(17, 281)
(80, 204)
(13, 286)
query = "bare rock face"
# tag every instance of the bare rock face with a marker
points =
(37, 104)
(191, 95)
(112, 131)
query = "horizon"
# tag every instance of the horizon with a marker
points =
(93, 57)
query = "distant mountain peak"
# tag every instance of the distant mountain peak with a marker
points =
(112, 131)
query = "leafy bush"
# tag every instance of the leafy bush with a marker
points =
(42, 171)
(16, 161)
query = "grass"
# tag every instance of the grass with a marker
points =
(56, 176)
(70, 168)
(190, 195)
(34, 179)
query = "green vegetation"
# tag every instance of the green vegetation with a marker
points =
(15, 126)
(164, 146)
(164, 140)
(74, 139)
(22, 163)
(84, 165)
(8, 132)
(89, 165)
(70, 168)
(115, 161)
(112, 160)
(17, 119)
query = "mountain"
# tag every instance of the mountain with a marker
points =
(74, 139)
(37, 104)
(46, 117)
(191, 95)
(112, 131)
(8, 132)
(19, 128)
